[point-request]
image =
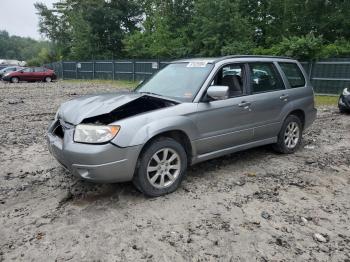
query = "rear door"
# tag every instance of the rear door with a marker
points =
(38, 74)
(269, 97)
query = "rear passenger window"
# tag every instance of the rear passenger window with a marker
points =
(293, 73)
(264, 78)
(38, 69)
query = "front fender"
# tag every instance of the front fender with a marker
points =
(144, 132)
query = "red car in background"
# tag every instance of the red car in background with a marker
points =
(31, 74)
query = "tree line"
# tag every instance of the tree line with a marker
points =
(114, 29)
(25, 49)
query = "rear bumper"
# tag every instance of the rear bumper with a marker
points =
(105, 163)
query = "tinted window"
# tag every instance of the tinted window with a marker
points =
(27, 70)
(38, 69)
(264, 78)
(232, 76)
(293, 73)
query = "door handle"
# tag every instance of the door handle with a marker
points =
(244, 104)
(284, 97)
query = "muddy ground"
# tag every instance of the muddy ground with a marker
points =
(250, 206)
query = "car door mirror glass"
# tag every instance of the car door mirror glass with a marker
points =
(218, 92)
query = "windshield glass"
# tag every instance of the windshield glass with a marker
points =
(6, 69)
(180, 81)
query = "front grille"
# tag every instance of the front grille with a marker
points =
(58, 130)
(60, 127)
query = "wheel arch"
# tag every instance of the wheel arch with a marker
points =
(19, 79)
(300, 114)
(178, 135)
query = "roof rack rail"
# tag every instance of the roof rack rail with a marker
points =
(250, 56)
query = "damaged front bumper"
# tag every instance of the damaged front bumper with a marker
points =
(106, 163)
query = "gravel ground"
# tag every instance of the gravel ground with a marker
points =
(250, 206)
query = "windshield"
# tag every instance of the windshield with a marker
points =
(180, 81)
(6, 69)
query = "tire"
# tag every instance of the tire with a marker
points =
(157, 178)
(48, 79)
(290, 135)
(342, 110)
(15, 80)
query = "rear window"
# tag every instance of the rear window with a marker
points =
(294, 75)
(264, 78)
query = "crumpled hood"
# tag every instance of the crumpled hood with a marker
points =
(76, 110)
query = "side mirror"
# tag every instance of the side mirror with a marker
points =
(141, 82)
(218, 92)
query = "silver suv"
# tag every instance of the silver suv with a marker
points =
(190, 111)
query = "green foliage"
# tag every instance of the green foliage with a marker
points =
(340, 48)
(45, 56)
(302, 48)
(218, 28)
(104, 29)
(23, 48)
(86, 29)
(164, 30)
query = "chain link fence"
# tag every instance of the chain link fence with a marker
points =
(329, 76)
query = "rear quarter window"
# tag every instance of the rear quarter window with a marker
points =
(294, 75)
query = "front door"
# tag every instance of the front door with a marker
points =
(27, 74)
(226, 123)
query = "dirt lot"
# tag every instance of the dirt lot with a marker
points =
(250, 206)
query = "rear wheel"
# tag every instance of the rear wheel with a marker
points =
(48, 79)
(161, 167)
(14, 80)
(290, 136)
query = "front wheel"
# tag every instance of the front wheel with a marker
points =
(290, 136)
(161, 168)
(14, 80)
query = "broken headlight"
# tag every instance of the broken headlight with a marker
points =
(93, 134)
(346, 92)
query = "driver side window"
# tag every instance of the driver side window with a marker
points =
(231, 75)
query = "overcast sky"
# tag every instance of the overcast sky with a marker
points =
(19, 17)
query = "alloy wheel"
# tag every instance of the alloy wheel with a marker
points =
(164, 168)
(292, 135)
